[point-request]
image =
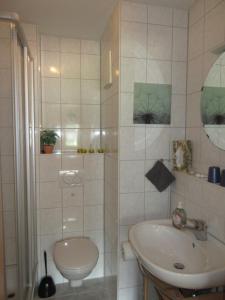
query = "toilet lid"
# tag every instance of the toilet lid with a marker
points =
(75, 253)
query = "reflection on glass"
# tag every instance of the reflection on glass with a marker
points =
(71, 139)
(96, 132)
(213, 103)
(54, 70)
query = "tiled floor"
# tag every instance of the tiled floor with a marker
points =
(94, 289)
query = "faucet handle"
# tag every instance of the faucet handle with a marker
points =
(201, 230)
(199, 225)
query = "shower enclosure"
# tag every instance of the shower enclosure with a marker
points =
(19, 161)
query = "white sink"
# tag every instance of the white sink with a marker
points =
(159, 246)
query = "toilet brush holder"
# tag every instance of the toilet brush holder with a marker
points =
(47, 286)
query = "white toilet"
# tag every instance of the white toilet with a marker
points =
(75, 258)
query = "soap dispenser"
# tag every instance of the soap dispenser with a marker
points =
(179, 216)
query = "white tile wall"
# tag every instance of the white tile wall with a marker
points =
(5, 77)
(159, 42)
(132, 70)
(70, 45)
(160, 15)
(70, 116)
(70, 65)
(203, 36)
(50, 62)
(6, 135)
(179, 44)
(51, 90)
(109, 124)
(163, 61)
(159, 72)
(131, 176)
(90, 66)
(8, 197)
(49, 167)
(134, 12)
(90, 47)
(210, 4)
(70, 211)
(180, 18)
(196, 41)
(214, 32)
(5, 48)
(6, 112)
(71, 106)
(90, 92)
(4, 30)
(50, 221)
(93, 217)
(179, 75)
(132, 143)
(50, 195)
(202, 199)
(93, 192)
(133, 39)
(196, 12)
(132, 208)
(51, 115)
(71, 89)
(73, 196)
(50, 43)
(73, 219)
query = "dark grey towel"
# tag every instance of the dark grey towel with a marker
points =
(160, 176)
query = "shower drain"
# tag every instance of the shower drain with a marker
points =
(179, 266)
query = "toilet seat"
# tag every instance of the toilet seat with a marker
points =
(78, 254)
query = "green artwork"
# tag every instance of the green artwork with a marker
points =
(152, 103)
(213, 105)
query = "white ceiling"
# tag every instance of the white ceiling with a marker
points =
(73, 18)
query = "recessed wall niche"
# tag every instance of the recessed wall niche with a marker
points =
(152, 103)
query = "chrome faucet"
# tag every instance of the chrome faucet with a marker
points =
(199, 227)
(180, 221)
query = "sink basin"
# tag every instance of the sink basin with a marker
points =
(177, 257)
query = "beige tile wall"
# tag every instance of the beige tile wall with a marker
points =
(202, 200)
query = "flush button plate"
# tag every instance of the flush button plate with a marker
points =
(70, 178)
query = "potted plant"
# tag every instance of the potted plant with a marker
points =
(48, 140)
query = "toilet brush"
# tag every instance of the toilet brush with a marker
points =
(47, 286)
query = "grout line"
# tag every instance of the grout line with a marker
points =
(60, 97)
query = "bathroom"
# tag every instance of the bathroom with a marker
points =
(75, 75)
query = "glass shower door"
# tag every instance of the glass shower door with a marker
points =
(24, 168)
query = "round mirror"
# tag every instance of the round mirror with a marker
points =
(213, 103)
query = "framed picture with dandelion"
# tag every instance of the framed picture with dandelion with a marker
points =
(152, 103)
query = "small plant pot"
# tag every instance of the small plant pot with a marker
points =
(48, 149)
